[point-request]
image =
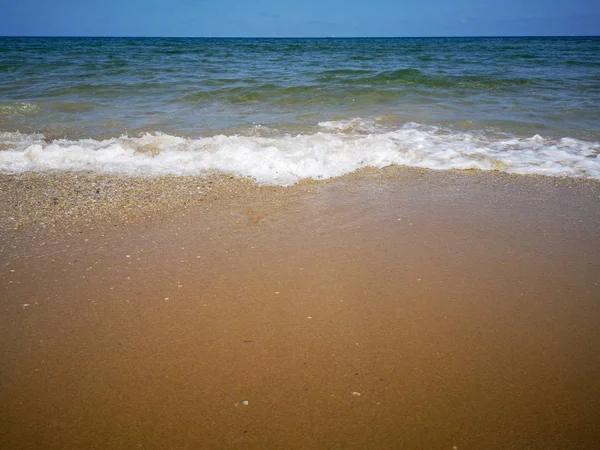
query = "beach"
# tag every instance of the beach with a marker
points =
(389, 308)
(299, 243)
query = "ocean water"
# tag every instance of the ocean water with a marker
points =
(280, 110)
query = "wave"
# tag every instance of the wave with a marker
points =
(410, 76)
(336, 73)
(340, 85)
(362, 58)
(338, 148)
(303, 95)
(116, 89)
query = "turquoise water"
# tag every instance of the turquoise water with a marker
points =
(526, 105)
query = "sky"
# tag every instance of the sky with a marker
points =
(299, 18)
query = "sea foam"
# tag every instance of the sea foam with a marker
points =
(339, 148)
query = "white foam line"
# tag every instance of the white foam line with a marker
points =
(344, 147)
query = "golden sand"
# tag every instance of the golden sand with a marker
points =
(389, 309)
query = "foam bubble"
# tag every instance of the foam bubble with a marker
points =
(352, 125)
(342, 147)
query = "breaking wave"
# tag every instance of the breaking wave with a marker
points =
(336, 148)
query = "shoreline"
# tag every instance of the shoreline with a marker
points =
(41, 202)
(387, 308)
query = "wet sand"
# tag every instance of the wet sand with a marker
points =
(390, 309)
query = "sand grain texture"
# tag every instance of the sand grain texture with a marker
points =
(391, 309)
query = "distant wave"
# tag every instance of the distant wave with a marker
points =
(343, 85)
(416, 77)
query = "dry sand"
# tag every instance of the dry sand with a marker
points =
(390, 309)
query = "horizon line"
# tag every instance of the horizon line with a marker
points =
(308, 37)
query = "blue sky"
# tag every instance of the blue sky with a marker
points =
(298, 18)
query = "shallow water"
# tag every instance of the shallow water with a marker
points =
(280, 110)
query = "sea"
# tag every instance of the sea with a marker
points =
(283, 110)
